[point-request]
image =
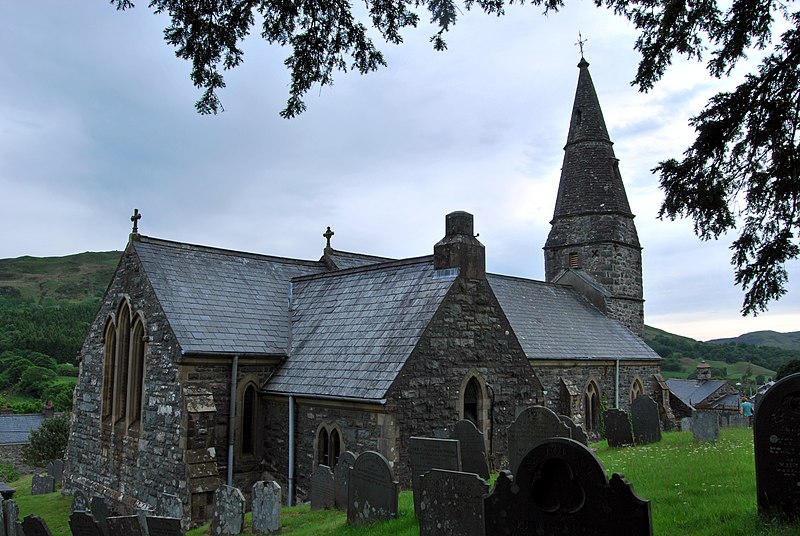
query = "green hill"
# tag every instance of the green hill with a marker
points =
(787, 341)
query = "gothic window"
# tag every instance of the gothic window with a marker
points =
(109, 347)
(591, 408)
(136, 372)
(636, 389)
(334, 447)
(329, 445)
(322, 447)
(471, 397)
(248, 420)
(121, 361)
(474, 405)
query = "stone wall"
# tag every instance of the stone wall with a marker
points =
(13, 454)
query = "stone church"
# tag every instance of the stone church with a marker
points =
(206, 366)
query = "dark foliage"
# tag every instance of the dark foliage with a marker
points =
(786, 369)
(47, 443)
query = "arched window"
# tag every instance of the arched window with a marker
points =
(334, 447)
(248, 420)
(322, 447)
(636, 389)
(109, 347)
(329, 445)
(471, 400)
(591, 408)
(121, 361)
(136, 373)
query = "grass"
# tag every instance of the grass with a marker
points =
(694, 489)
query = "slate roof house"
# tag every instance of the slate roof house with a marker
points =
(703, 393)
(205, 365)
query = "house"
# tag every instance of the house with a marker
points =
(703, 393)
(205, 366)
(15, 432)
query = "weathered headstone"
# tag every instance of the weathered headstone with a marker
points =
(577, 431)
(83, 523)
(776, 430)
(42, 484)
(79, 501)
(124, 526)
(100, 511)
(266, 507)
(618, 428)
(472, 448)
(228, 516)
(171, 506)
(427, 453)
(35, 526)
(452, 504)
(322, 494)
(6, 491)
(2, 519)
(143, 514)
(645, 420)
(561, 488)
(372, 490)
(686, 424)
(341, 474)
(534, 425)
(56, 469)
(164, 526)
(11, 515)
(705, 426)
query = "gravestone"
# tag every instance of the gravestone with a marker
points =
(705, 426)
(372, 491)
(576, 430)
(618, 428)
(266, 507)
(452, 504)
(322, 495)
(686, 424)
(124, 526)
(561, 488)
(100, 511)
(171, 506)
(164, 526)
(341, 474)
(42, 484)
(79, 501)
(56, 469)
(228, 516)
(645, 420)
(35, 526)
(472, 448)
(776, 430)
(2, 519)
(428, 453)
(534, 425)
(6, 491)
(143, 514)
(83, 523)
(11, 515)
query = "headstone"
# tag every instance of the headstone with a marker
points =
(143, 514)
(776, 430)
(84, 524)
(561, 488)
(472, 448)
(171, 506)
(705, 426)
(2, 519)
(686, 424)
(6, 491)
(645, 420)
(266, 507)
(35, 526)
(341, 474)
(79, 501)
(228, 516)
(100, 512)
(372, 490)
(533, 426)
(42, 484)
(618, 428)
(577, 430)
(56, 469)
(11, 515)
(124, 526)
(428, 453)
(452, 504)
(164, 526)
(322, 495)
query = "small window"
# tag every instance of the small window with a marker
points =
(248, 420)
(471, 401)
(329, 445)
(322, 447)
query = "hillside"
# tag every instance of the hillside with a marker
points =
(787, 341)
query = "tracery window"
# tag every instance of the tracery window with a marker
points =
(591, 408)
(329, 445)
(636, 389)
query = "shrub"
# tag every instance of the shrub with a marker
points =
(35, 380)
(12, 371)
(42, 360)
(60, 394)
(65, 369)
(787, 368)
(47, 443)
(8, 473)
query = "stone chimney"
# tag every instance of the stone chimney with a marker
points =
(5, 410)
(703, 372)
(459, 248)
(48, 410)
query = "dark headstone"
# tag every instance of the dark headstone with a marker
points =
(164, 526)
(266, 507)
(2, 520)
(534, 425)
(428, 453)
(577, 431)
(84, 524)
(705, 426)
(11, 515)
(56, 469)
(776, 430)
(35, 526)
(124, 526)
(228, 516)
(171, 506)
(341, 474)
(618, 428)
(561, 488)
(372, 490)
(472, 448)
(143, 514)
(6, 491)
(42, 484)
(79, 501)
(100, 511)
(452, 504)
(645, 420)
(322, 495)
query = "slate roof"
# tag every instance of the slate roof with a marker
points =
(693, 392)
(553, 322)
(345, 259)
(353, 330)
(219, 301)
(16, 429)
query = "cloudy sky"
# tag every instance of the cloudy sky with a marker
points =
(97, 118)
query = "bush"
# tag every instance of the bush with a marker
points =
(12, 371)
(47, 443)
(35, 380)
(60, 394)
(8, 473)
(65, 369)
(787, 368)
(42, 360)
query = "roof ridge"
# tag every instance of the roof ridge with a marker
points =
(363, 255)
(369, 267)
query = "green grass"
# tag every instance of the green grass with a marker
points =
(694, 489)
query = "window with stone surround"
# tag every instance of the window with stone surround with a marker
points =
(591, 408)
(636, 389)
(474, 405)
(249, 420)
(328, 445)
(136, 374)
(109, 347)
(121, 362)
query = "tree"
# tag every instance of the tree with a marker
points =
(742, 171)
(786, 369)
(47, 443)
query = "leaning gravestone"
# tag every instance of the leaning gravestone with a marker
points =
(35, 526)
(534, 425)
(56, 469)
(452, 504)
(341, 474)
(618, 428)
(576, 430)
(561, 488)
(42, 484)
(100, 511)
(228, 516)
(372, 491)
(266, 507)
(79, 501)
(645, 420)
(11, 515)
(776, 430)
(84, 524)
(322, 495)
(705, 426)
(472, 448)
(124, 526)
(164, 526)
(428, 453)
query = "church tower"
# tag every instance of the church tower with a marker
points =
(593, 244)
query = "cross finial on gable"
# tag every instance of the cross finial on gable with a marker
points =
(581, 42)
(327, 235)
(135, 219)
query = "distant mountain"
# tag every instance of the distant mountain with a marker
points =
(787, 341)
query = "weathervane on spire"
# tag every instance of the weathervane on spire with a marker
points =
(581, 42)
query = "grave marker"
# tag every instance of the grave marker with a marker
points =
(228, 516)
(372, 490)
(124, 526)
(705, 426)
(164, 526)
(534, 425)
(645, 420)
(618, 428)
(11, 515)
(56, 469)
(341, 474)
(472, 448)
(428, 453)
(79, 501)
(266, 507)
(171, 506)
(576, 430)
(35, 526)
(2, 519)
(42, 484)
(100, 511)
(322, 495)
(452, 504)
(82, 523)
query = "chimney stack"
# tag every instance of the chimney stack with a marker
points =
(459, 248)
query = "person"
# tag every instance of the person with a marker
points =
(746, 409)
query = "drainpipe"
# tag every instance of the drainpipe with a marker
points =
(232, 418)
(616, 402)
(289, 498)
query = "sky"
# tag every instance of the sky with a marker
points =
(97, 118)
